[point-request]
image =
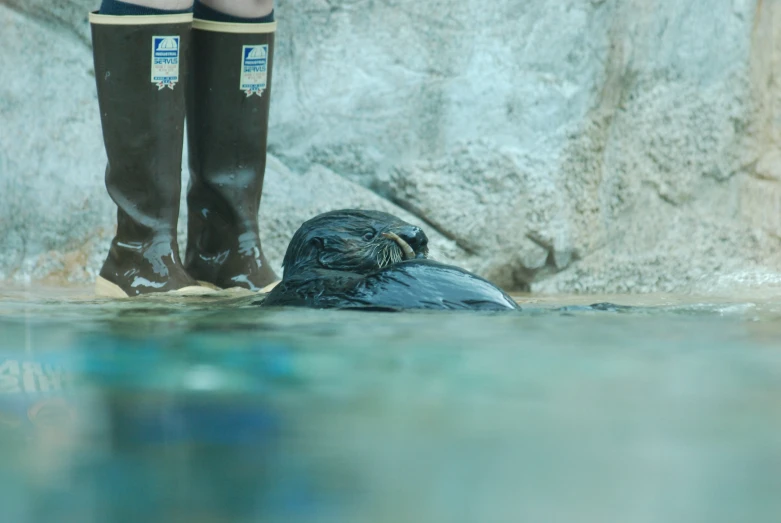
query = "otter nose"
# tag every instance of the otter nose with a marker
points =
(414, 236)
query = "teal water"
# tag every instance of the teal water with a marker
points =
(214, 410)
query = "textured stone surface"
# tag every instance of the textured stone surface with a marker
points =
(53, 207)
(567, 145)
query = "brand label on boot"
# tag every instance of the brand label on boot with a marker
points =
(165, 61)
(254, 69)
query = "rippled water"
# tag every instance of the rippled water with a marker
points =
(212, 410)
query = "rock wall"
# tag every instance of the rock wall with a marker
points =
(551, 145)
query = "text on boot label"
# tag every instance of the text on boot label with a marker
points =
(165, 61)
(254, 69)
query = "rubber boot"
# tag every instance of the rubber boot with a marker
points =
(140, 66)
(227, 126)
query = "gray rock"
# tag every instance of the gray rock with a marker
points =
(66, 18)
(489, 201)
(53, 206)
(567, 146)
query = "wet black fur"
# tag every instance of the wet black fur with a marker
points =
(347, 240)
(341, 259)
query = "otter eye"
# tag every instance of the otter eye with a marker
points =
(369, 236)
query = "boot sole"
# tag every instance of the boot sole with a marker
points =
(106, 289)
(265, 290)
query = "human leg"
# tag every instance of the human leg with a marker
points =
(241, 8)
(144, 7)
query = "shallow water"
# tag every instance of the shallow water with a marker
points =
(214, 410)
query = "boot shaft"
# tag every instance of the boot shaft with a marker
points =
(140, 71)
(227, 116)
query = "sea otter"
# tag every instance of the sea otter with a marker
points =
(371, 260)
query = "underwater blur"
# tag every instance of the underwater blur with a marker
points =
(216, 410)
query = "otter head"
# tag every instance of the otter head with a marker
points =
(355, 241)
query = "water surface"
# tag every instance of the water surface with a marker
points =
(215, 410)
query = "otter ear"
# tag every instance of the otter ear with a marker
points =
(329, 255)
(330, 259)
(314, 248)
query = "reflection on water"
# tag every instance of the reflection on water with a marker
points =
(214, 410)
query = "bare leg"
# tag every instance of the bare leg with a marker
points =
(172, 5)
(240, 8)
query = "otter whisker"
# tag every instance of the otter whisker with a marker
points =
(379, 255)
(387, 254)
(395, 255)
(409, 253)
(373, 251)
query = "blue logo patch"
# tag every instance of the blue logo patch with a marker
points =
(254, 69)
(165, 61)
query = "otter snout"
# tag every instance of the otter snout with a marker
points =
(415, 238)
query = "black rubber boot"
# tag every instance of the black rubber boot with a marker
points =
(227, 126)
(140, 70)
